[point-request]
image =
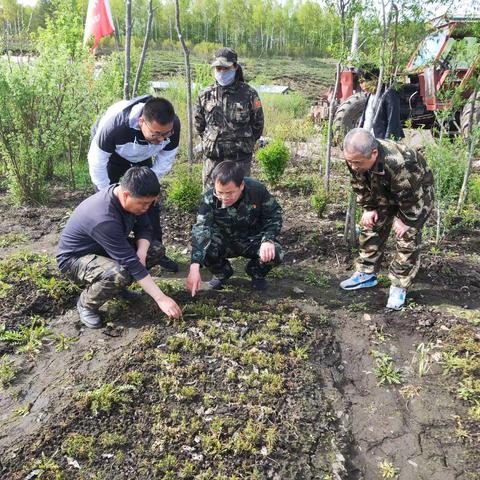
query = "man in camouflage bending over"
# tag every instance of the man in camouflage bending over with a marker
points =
(395, 189)
(237, 218)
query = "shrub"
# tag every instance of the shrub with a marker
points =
(319, 200)
(185, 190)
(474, 190)
(273, 160)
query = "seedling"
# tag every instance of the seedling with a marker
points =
(7, 371)
(12, 238)
(409, 391)
(63, 342)
(317, 279)
(28, 338)
(388, 470)
(385, 370)
(104, 398)
(79, 446)
(423, 359)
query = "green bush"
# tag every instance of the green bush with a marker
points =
(185, 189)
(319, 201)
(474, 190)
(273, 160)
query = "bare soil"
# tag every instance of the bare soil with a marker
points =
(276, 386)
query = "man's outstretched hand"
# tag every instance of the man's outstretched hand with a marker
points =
(194, 279)
(267, 252)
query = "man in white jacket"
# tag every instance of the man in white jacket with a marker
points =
(144, 131)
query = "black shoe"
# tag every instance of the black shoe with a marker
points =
(168, 264)
(216, 283)
(259, 283)
(90, 318)
(130, 295)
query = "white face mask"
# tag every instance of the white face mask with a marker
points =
(225, 78)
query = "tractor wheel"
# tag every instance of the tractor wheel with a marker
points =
(465, 116)
(347, 116)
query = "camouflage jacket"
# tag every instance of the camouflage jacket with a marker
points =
(399, 178)
(255, 216)
(229, 120)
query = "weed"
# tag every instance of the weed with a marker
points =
(28, 338)
(63, 342)
(469, 390)
(79, 446)
(88, 355)
(109, 440)
(409, 391)
(383, 281)
(380, 334)
(149, 337)
(135, 378)
(104, 398)
(7, 371)
(387, 469)
(423, 359)
(12, 239)
(317, 279)
(22, 411)
(385, 370)
(357, 307)
(47, 468)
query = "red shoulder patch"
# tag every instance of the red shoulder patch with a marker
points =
(258, 104)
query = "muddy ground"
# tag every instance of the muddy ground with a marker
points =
(304, 382)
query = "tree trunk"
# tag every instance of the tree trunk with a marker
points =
(333, 106)
(128, 38)
(472, 142)
(144, 48)
(189, 87)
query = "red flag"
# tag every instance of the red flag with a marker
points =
(99, 21)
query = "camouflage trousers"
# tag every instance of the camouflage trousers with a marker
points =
(220, 250)
(406, 261)
(103, 278)
(209, 165)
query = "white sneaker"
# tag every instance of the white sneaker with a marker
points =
(396, 300)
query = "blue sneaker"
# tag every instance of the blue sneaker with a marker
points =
(396, 299)
(359, 280)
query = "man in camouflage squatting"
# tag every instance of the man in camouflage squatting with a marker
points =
(96, 252)
(395, 189)
(228, 117)
(237, 218)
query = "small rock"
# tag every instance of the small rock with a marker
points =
(367, 317)
(298, 290)
(72, 462)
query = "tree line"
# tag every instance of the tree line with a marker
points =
(255, 27)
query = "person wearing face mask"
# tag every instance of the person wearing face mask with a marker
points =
(385, 118)
(228, 117)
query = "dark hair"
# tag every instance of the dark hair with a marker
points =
(140, 182)
(368, 71)
(239, 73)
(228, 171)
(158, 110)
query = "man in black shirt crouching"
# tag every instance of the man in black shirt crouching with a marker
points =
(95, 250)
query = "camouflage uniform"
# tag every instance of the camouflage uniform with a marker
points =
(104, 278)
(229, 121)
(399, 185)
(237, 231)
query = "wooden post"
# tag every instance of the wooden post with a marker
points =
(128, 38)
(148, 29)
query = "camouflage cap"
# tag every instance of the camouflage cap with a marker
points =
(224, 57)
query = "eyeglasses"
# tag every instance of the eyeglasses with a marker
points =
(154, 134)
(224, 195)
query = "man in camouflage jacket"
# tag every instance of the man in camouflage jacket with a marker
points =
(394, 187)
(228, 117)
(237, 218)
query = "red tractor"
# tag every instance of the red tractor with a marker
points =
(445, 60)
